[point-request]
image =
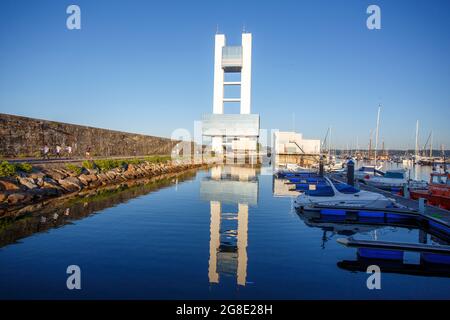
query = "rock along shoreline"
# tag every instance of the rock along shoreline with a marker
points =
(48, 183)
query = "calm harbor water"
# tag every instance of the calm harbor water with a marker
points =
(223, 233)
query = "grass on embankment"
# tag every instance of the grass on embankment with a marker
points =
(108, 164)
(11, 169)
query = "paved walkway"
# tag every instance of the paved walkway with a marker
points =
(65, 159)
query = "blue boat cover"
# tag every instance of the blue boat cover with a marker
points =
(345, 188)
(322, 191)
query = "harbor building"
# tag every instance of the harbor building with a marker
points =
(291, 147)
(293, 142)
(227, 131)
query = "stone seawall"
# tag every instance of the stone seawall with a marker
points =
(25, 137)
(46, 183)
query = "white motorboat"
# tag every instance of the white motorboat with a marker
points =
(391, 180)
(365, 171)
(292, 169)
(335, 166)
(407, 163)
(328, 194)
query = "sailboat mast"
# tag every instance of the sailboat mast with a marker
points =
(357, 144)
(417, 140)
(376, 135)
(431, 145)
(329, 145)
(445, 160)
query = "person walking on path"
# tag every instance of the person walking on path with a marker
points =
(58, 151)
(69, 151)
(45, 151)
(88, 153)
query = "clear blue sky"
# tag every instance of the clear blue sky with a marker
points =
(147, 66)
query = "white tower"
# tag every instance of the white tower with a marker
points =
(233, 59)
(246, 73)
(238, 131)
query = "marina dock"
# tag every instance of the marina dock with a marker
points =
(412, 205)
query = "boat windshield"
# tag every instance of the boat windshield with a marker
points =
(394, 175)
(438, 179)
(345, 188)
(371, 170)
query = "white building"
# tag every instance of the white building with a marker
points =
(237, 132)
(293, 143)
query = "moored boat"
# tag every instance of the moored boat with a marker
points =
(328, 193)
(438, 192)
(335, 166)
(365, 171)
(392, 180)
(292, 169)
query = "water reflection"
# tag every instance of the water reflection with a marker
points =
(403, 262)
(237, 186)
(423, 268)
(390, 261)
(229, 211)
(59, 212)
(405, 228)
(332, 228)
(376, 229)
(280, 188)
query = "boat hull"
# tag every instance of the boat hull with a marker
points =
(369, 201)
(432, 199)
(378, 204)
(389, 186)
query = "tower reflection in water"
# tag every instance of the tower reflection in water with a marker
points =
(237, 186)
